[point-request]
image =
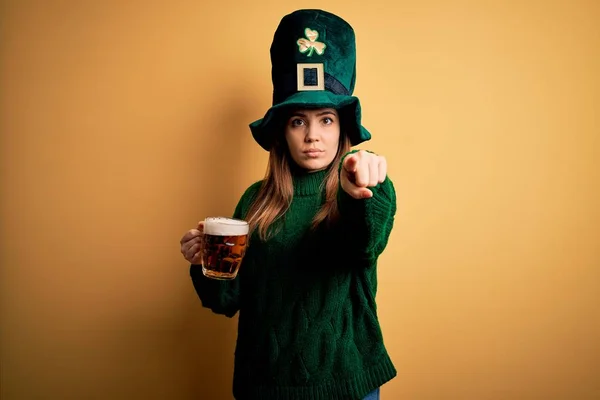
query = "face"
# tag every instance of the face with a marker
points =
(313, 137)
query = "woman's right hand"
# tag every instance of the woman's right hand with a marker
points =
(191, 244)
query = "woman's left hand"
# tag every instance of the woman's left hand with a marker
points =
(360, 171)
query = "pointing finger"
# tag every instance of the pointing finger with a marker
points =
(351, 163)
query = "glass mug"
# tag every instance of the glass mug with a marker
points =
(224, 245)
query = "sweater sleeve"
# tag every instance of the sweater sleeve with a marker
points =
(368, 222)
(220, 296)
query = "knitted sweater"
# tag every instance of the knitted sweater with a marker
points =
(308, 327)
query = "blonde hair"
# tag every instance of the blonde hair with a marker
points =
(277, 190)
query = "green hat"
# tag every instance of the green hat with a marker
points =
(313, 58)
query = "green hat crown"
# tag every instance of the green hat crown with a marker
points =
(317, 45)
(313, 59)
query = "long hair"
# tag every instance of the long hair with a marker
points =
(277, 191)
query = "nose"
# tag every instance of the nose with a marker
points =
(312, 134)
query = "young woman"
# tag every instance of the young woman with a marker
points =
(308, 326)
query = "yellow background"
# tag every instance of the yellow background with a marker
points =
(124, 123)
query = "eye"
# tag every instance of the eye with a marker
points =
(327, 121)
(295, 122)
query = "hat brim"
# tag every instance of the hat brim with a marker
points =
(263, 130)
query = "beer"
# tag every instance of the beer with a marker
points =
(224, 245)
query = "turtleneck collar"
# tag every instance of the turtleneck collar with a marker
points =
(308, 183)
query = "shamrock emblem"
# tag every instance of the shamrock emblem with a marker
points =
(311, 43)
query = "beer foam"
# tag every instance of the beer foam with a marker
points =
(221, 226)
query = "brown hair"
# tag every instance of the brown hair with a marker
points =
(276, 192)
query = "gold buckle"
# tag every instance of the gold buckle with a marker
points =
(320, 77)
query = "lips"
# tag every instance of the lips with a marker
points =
(312, 151)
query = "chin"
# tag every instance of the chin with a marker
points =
(314, 165)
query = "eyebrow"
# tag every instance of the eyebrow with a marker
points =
(326, 112)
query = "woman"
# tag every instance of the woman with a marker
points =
(305, 294)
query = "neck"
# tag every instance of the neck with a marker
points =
(309, 182)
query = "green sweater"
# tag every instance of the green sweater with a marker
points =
(308, 327)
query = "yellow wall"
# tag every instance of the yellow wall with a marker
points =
(124, 123)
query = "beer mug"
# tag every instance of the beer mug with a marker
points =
(224, 244)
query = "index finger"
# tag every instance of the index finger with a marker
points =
(350, 163)
(189, 235)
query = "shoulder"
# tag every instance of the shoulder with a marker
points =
(251, 192)
(248, 197)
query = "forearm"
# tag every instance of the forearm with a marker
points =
(368, 222)
(220, 296)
